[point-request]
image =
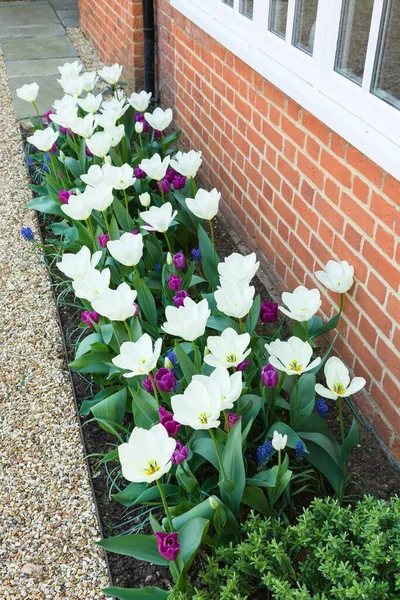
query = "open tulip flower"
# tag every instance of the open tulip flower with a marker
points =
(147, 455)
(92, 285)
(99, 144)
(188, 321)
(94, 176)
(337, 276)
(28, 92)
(117, 305)
(199, 406)
(227, 350)
(90, 103)
(237, 267)
(234, 299)
(302, 304)
(140, 100)
(119, 177)
(205, 204)
(128, 250)
(154, 167)
(111, 74)
(279, 441)
(230, 385)
(90, 78)
(75, 266)
(83, 127)
(78, 207)
(187, 163)
(99, 197)
(71, 70)
(158, 219)
(338, 381)
(293, 357)
(159, 119)
(139, 357)
(44, 139)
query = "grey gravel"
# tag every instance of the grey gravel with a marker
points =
(48, 525)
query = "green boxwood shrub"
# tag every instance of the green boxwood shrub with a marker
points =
(331, 553)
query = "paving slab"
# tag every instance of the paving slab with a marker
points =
(49, 91)
(33, 68)
(64, 4)
(38, 47)
(25, 31)
(69, 17)
(17, 14)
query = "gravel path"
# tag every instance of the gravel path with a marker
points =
(48, 525)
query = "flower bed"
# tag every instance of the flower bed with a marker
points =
(210, 414)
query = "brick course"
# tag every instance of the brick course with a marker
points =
(298, 193)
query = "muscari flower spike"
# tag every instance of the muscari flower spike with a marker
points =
(264, 452)
(300, 449)
(322, 408)
(27, 234)
(196, 254)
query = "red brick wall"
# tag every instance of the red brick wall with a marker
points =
(115, 27)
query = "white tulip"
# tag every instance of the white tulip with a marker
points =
(66, 111)
(237, 267)
(145, 199)
(83, 127)
(90, 79)
(44, 139)
(293, 357)
(72, 86)
(159, 119)
(99, 144)
(139, 358)
(92, 285)
(71, 70)
(120, 178)
(91, 103)
(234, 299)
(77, 207)
(187, 163)
(116, 305)
(106, 120)
(116, 133)
(158, 219)
(94, 176)
(147, 455)
(111, 74)
(154, 167)
(230, 385)
(170, 260)
(100, 196)
(279, 441)
(75, 266)
(227, 350)
(188, 321)
(302, 303)
(338, 381)
(28, 92)
(114, 106)
(139, 127)
(128, 250)
(140, 101)
(205, 204)
(119, 94)
(337, 276)
(199, 406)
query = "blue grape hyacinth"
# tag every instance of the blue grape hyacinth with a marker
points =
(196, 254)
(322, 407)
(264, 452)
(300, 449)
(27, 234)
(157, 268)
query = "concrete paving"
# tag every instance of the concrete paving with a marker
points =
(34, 42)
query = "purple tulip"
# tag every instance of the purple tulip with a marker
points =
(179, 298)
(241, 366)
(54, 148)
(179, 261)
(168, 545)
(269, 312)
(89, 153)
(269, 376)
(135, 231)
(47, 114)
(174, 282)
(232, 419)
(165, 380)
(167, 419)
(147, 385)
(180, 454)
(137, 309)
(179, 182)
(139, 117)
(139, 173)
(157, 134)
(63, 196)
(164, 185)
(170, 175)
(65, 130)
(89, 317)
(103, 239)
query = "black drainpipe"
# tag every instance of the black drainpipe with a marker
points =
(149, 46)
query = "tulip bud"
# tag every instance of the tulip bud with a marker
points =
(269, 312)
(145, 199)
(174, 282)
(168, 364)
(103, 239)
(179, 298)
(165, 380)
(169, 259)
(168, 421)
(213, 503)
(139, 127)
(269, 376)
(279, 441)
(168, 545)
(61, 156)
(180, 454)
(107, 159)
(179, 261)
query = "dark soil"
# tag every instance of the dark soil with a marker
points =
(368, 464)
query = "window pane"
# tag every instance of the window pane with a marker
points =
(304, 25)
(228, 2)
(278, 16)
(246, 8)
(386, 82)
(352, 45)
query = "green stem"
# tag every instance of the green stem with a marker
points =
(214, 440)
(197, 359)
(228, 427)
(126, 203)
(193, 186)
(137, 273)
(168, 243)
(279, 458)
(341, 303)
(89, 225)
(340, 407)
(306, 329)
(154, 386)
(212, 233)
(241, 324)
(36, 108)
(140, 142)
(128, 331)
(165, 504)
(75, 145)
(107, 224)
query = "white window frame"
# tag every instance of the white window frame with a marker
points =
(364, 120)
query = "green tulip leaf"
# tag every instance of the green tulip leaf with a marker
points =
(139, 546)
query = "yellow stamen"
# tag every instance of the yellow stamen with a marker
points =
(203, 418)
(338, 389)
(152, 468)
(231, 358)
(294, 366)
